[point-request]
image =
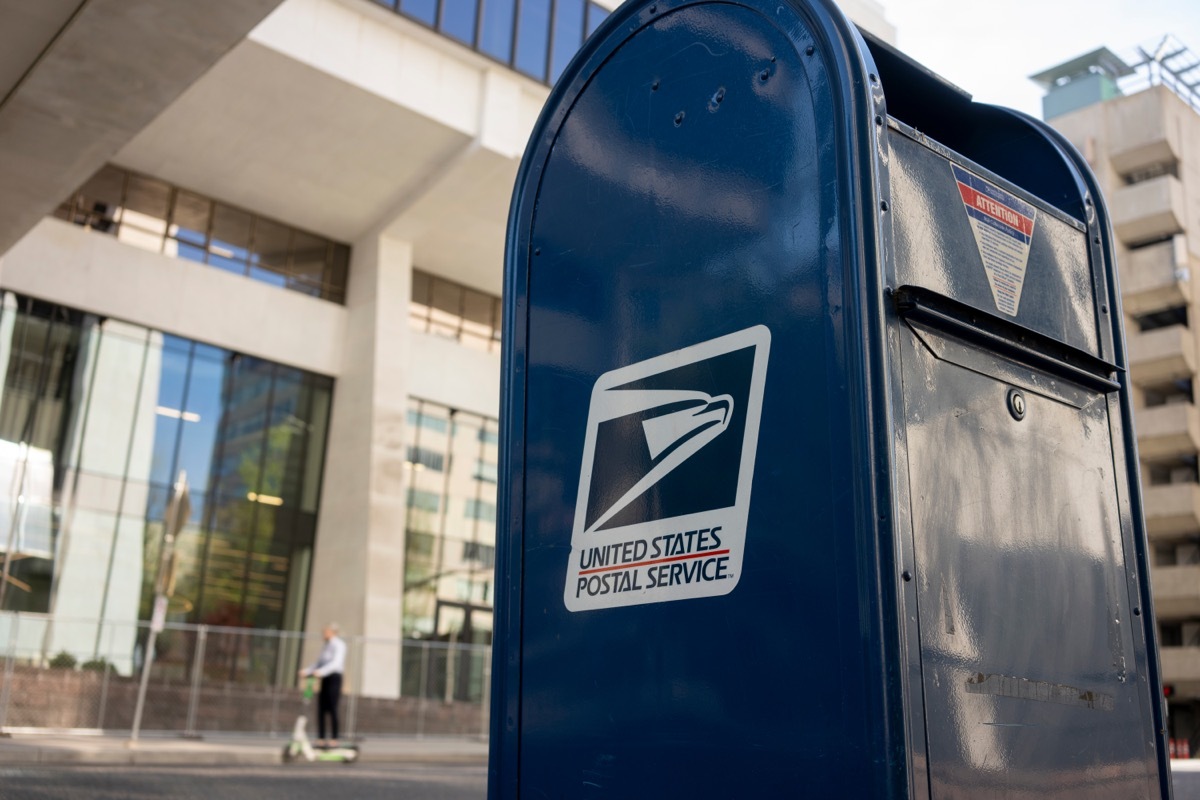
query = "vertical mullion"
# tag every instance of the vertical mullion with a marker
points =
(516, 27)
(475, 39)
(289, 259)
(183, 402)
(547, 76)
(462, 312)
(112, 551)
(412, 469)
(212, 217)
(583, 24)
(172, 205)
(250, 245)
(493, 340)
(213, 494)
(252, 536)
(124, 199)
(429, 302)
(327, 269)
(447, 465)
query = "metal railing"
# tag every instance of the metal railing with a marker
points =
(82, 675)
(1166, 62)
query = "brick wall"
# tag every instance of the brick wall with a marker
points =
(68, 698)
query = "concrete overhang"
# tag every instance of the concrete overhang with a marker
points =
(350, 121)
(80, 78)
(269, 133)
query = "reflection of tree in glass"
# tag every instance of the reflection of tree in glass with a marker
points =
(247, 580)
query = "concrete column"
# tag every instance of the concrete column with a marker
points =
(358, 563)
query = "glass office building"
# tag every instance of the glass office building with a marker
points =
(99, 417)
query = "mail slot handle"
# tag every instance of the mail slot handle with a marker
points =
(1006, 338)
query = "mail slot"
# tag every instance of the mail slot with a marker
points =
(818, 470)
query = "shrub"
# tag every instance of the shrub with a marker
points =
(95, 665)
(63, 660)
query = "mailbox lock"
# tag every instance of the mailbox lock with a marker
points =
(1016, 404)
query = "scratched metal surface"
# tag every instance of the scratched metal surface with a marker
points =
(1027, 631)
(936, 249)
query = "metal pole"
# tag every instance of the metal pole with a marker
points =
(451, 667)
(423, 689)
(177, 514)
(147, 660)
(280, 643)
(485, 702)
(104, 686)
(14, 522)
(10, 660)
(197, 678)
(352, 697)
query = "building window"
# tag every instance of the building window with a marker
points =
(1162, 318)
(424, 501)
(457, 312)
(449, 554)
(535, 37)
(480, 509)
(1149, 173)
(485, 554)
(156, 216)
(485, 471)
(428, 421)
(99, 418)
(423, 458)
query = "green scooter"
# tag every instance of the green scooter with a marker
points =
(300, 747)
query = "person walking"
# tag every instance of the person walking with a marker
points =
(329, 667)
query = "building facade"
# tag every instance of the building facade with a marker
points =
(1137, 121)
(262, 245)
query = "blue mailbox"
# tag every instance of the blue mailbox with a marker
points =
(818, 470)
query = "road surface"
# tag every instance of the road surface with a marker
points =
(295, 782)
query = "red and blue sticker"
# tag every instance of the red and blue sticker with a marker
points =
(1003, 227)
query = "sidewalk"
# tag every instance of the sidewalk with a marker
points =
(223, 750)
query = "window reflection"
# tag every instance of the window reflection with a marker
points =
(568, 25)
(455, 311)
(533, 38)
(458, 20)
(98, 417)
(495, 38)
(499, 20)
(156, 216)
(451, 524)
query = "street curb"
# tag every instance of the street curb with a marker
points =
(109, 757)
(257, 756)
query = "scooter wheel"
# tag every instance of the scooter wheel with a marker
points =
(288, 755)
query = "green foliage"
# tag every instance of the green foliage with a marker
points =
(63, 660)
(95, 665)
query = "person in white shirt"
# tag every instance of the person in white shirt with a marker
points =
(329, 667)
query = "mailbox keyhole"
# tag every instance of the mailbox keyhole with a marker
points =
(1016, 404)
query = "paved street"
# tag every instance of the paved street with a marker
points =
(1186, 779)
(298, 782)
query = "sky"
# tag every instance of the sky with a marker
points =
(990, 47)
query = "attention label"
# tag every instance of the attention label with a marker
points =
(668, 463)
(1003, 227)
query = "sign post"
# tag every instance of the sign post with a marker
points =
(178, 510)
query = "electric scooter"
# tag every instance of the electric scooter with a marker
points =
(301, 747)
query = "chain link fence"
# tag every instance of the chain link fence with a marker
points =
(82, 675)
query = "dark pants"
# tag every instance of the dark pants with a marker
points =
(327, 703)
